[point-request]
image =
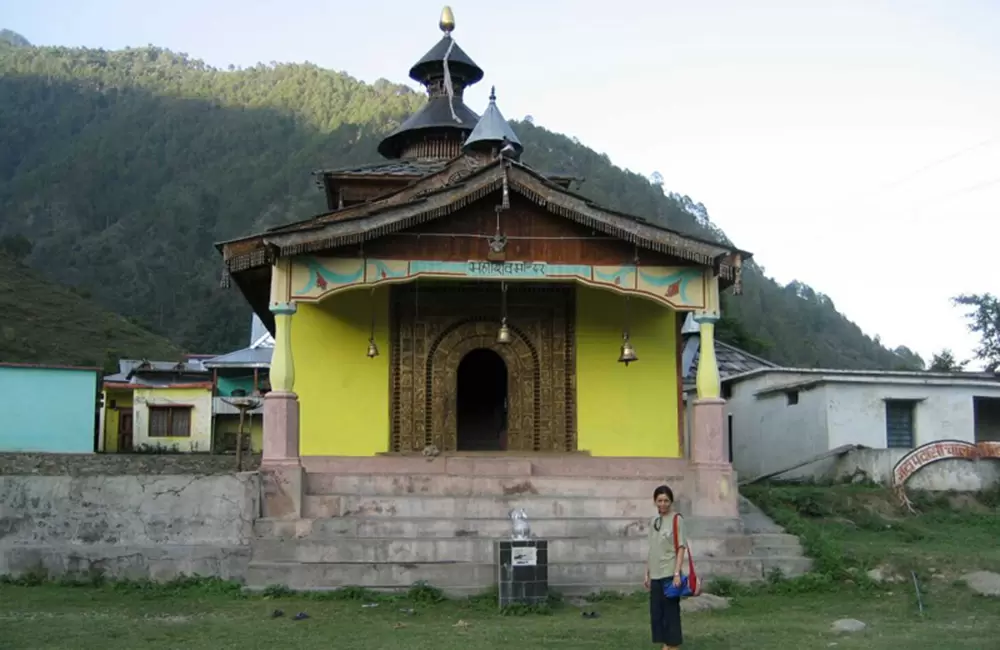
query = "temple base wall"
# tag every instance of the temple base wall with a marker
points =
(386, 522)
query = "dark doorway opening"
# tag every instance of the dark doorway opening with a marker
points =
(125, 430)
(482, 402)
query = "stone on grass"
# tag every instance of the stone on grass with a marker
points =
(984, 583)
(848, 626)
(882, 574)
(704, 603)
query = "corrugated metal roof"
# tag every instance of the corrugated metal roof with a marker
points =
(847, 375)
(143, 371)
(259, 357)
(259, 336)
(730, 359)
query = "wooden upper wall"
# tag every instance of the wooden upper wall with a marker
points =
(541, 232)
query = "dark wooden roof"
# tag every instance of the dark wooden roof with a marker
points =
(415, 168)
(451, 189)
(395, 173)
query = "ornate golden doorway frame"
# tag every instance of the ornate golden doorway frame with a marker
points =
(435, 324)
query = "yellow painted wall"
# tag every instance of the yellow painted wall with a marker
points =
(201, 417)
(625, 411)
(343, 395)
(123, 399)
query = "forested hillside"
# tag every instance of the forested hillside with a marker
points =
(51, 324)
(123, 168)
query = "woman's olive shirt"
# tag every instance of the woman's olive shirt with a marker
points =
(662, 556)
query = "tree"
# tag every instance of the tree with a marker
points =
(16, 247)
(984, 320)
(909, 360)
(13, 38)
(945, 361)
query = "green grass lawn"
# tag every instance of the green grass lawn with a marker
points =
(863, 527)
(103, 618)
(851, 529)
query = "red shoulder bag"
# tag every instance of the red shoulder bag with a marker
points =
(693, 586)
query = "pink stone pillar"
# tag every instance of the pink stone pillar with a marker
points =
(281, 429)
(707, 430)
(715, 493)
(281, 472)
(281, 405)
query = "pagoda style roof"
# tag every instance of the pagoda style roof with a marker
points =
(460, 64)
(446, 71)
(434, 115)
(461, 182)
(493, 130)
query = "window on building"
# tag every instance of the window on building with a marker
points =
(729, 428)
(986, 411)
(899, 423)
(169, 421)
(793, 397)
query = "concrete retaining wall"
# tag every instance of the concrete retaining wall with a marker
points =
(121, 464)
(958, 475)
(141, 526)
(950, 475)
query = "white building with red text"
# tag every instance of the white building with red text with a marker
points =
(814, 424)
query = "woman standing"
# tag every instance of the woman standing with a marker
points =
(666, 561)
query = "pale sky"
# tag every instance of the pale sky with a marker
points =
(853, 145)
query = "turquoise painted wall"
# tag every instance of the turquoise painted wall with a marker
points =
(228, 384)
(47, 409)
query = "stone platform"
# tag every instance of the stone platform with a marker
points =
(387, 522)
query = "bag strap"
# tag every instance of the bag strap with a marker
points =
(687, 549)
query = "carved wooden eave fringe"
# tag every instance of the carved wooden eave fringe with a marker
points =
(251, 259)
(375, 226)
(429, 200)
(578, 210)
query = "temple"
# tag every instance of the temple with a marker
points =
(457, 315)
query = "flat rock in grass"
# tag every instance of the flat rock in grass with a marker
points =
(883, 574)
(704, 603)
(984, 583)
(848, 626)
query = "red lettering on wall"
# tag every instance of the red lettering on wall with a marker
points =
(932, 452)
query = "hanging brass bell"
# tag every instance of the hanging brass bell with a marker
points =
(503, 335)
(372, 349)
(627, 355)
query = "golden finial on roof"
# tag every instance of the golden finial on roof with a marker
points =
(447, 22)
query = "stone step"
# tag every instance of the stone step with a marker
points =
(322, 506)
(465, 578)
(754, 519)
(382, 485)
(496, 527)
(475, 550)
(672, 471)
(775, 544)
